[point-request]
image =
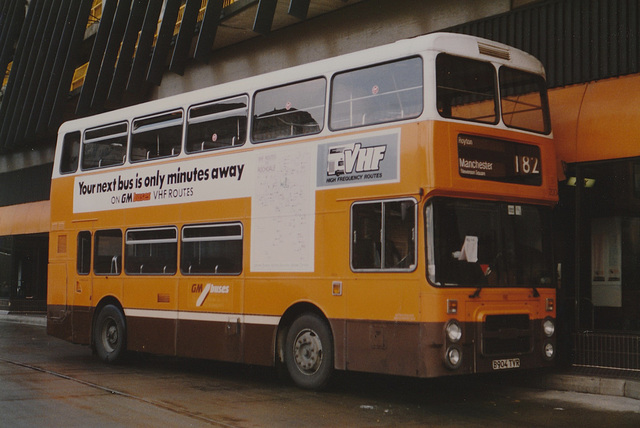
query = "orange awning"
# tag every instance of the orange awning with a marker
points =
(22, 219)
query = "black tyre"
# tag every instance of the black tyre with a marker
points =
(110, 334)
(308, 352)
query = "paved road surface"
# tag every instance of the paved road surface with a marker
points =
(48, 382)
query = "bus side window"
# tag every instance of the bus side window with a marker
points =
(152, 251)
(217, 125)
(156, 136)
(70, 153)
(84, 253)
(212, 249)
(289, 111)
(383, 235)
(378, 94)
(107, 253)
(366, 236)
(105, 146)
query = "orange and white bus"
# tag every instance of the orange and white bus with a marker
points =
(384, 211)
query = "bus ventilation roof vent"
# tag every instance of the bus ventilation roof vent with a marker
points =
(495, 51)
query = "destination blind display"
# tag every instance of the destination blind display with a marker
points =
(499, 160)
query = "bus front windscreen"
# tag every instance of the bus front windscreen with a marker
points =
(488, 244)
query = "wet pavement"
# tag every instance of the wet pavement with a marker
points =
(45, 381)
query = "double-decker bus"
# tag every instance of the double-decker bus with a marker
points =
(384, 211)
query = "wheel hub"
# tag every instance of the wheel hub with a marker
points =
(307, 351)
(111, 336)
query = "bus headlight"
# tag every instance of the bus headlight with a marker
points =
(453, 357)
(549, 350)
(549, 327)
(453, 331)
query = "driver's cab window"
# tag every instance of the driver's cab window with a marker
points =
(383, 235)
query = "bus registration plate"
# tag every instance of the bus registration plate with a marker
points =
(510, 363)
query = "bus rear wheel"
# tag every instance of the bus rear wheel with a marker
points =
(308, 352)
(110, 334)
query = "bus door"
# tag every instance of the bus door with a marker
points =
(211, 292)
(382, 295)
(80, 290)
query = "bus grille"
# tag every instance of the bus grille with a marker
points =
(507, 335)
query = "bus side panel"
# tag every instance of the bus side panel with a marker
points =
(82, 319)
(259, 344)
(58, 319)
(152, 325)
(154, 335)
(339, 329)
(210, 340)
(209, 324)
(383, 347)
(82, 316)
(383, 330)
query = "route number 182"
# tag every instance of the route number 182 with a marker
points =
(527, 165)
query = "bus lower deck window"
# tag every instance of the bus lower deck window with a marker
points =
(151, 251)
(84, 253)
(212, 249)
(107, 254)
(383, 235)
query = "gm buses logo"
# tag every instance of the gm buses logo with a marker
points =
(372, 158)
(207, 289)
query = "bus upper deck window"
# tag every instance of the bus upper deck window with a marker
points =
(466, 89)
(378, 94)
(217, 125)
(523, 100)
(105, 146)
(70, 153)
(156, 136)
(289, 111)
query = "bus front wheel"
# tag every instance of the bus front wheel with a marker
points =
(309, 352)
(110, 334)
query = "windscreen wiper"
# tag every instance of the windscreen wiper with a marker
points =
(535, 292)
(476, 293)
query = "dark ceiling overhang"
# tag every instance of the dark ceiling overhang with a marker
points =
(136, 42)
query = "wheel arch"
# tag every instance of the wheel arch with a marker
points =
(288, 318)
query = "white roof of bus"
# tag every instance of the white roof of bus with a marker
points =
(456, 44)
